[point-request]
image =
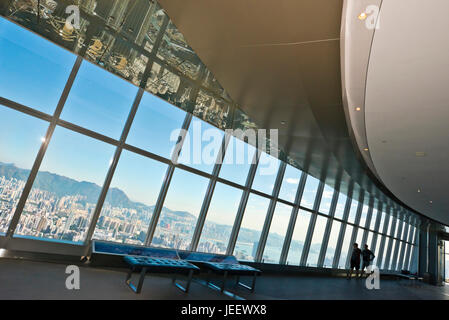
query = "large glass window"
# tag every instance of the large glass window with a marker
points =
(317, 241)
(130, 200)
(310, 190)
(156, 126)
(201, 146)
(290, 183)
(266, 173)
(18, 150)
(237, 161)
(346, 247)
(340, 208)
(33, 71)
(179, 215)
(64, 195)
(220, 219)
(276, 235)
(251, 227)
(298, 237)
(326, 200)
(332, 244)
(99, 101)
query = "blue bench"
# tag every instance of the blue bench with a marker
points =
(223, 265)
(158, 265)
(147, 260)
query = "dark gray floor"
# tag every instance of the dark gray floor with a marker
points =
(22, 279)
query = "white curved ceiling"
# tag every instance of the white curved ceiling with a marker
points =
(407, 103)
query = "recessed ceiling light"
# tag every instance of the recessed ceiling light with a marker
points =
(358, 109)
(420, 154)
(362, 16)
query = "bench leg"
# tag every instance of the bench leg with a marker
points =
(139, 284)
(187, 287)
(253, 284)
(225, 275)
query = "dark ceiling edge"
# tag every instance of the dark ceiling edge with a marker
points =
(374, 176)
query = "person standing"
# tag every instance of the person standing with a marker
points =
(355, 260)
(367, 256)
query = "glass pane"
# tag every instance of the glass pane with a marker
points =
(397, 228)
(347, 245)
(353, 211)
(156, 126)
(220, 219)
(298, 238)
(290, 183)
(364, 215)
(66, 189)
(326, 200)
(393, 248)
(34, 71)
(373, 219)
(369, 240)
(382, 221)
(201, 146)
(387, 242)
(317, 241)
(399, 262)
(237, 161)
(130, 201)
(175, 51)
(340, 208)
(212, 109)
(276, 235)
(332, 244)
(310, 190)
(359, 237)
(390, 225)
(99, 101)
(182, 206)
(406, 230)
(170, 87)
(18, 150)
(251, 227)
(376, 252)
(128, 27)
(266, 173)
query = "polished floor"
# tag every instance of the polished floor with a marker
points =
(24, 279)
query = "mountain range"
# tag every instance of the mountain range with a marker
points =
(63, 186)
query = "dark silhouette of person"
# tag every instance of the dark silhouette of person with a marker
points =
(355, 261)
(367, 257)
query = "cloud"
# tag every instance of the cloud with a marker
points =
(292, 180)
